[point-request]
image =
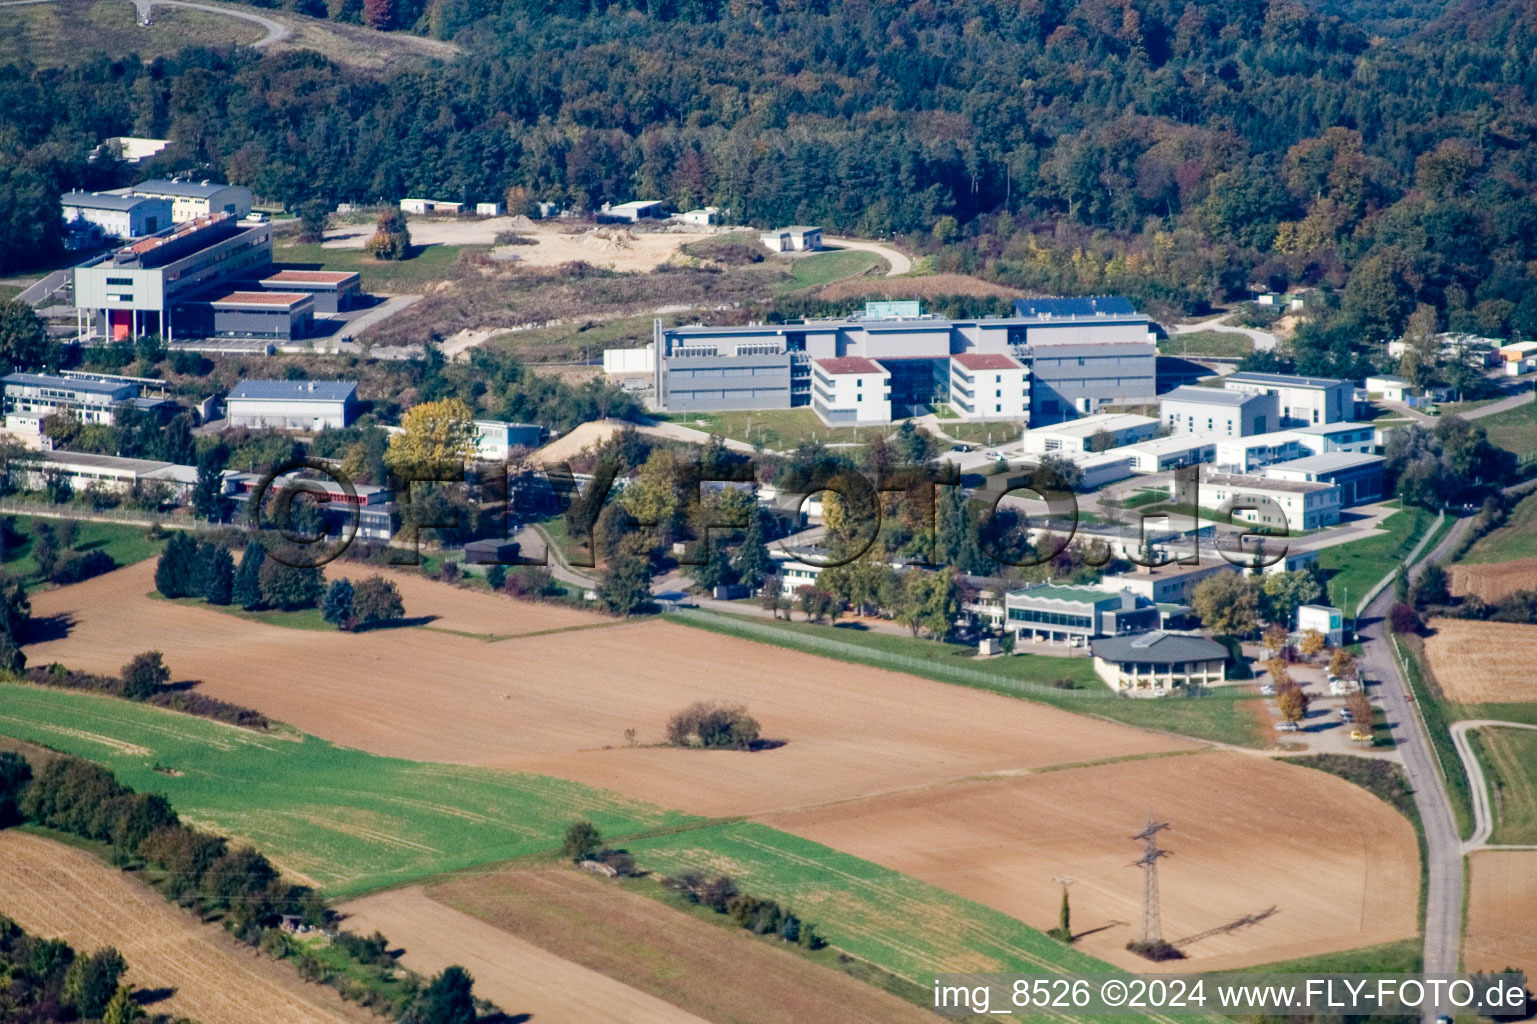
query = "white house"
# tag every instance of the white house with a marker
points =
(425, 206)
(850, 391)
(797, 238)
(488, 209)
(1078, 435)
(703, 217)
(1296, 505)
(1193, 410)
(989, 386)
(1302, 401)
(115, 216)
(303, 405)
(1389, 389)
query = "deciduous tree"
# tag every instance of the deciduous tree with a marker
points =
(434, 436)
(1227, 604)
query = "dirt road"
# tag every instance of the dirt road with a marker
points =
(900, 264)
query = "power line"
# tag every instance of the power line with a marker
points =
(1152, 926)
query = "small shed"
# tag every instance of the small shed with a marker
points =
(488, 209)
(491, 551)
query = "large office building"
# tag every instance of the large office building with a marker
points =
(1072, 357)
(1301, 401)
(1358, 476)
(30, 398)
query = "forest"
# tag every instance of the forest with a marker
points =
(1175, 151)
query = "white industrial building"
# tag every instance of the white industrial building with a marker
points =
(1247, 454)
(797, 238)
(1193, 410)
(193, 199)
(488, 209)
(1101, 468)
(1296, 505)
(31, 398)
(1302, 401)
(113, 216)
(704, 216)
(989, 386)
(1161, 454)
(850, 391)
(110, 472)
(1078, 435)
(495, 439)
(304, 405)
(426, 206)
(1357, 475)
(131, 149)
(637, 209)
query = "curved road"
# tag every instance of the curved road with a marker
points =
(1483, 818)
(1443, 844)
(1263, 341)
(900, 264)
(276, 30)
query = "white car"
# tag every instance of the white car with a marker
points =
(1288, 727)
(1267, 690)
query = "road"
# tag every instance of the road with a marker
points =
(1263, 341)
(1443, 844)
(900, 264)
(276, 30)
(1483, 817)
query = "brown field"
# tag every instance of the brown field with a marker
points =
(463, 610)
(60, 892)
(1502, 904)
(917, 288)
(516, 975)
(652, 952)
(1483, 662)
(1494, 581)
(559, 704)
(1340, 867)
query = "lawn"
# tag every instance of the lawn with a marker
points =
(1509, 757)
(126, 545)
(1221, 716)
(348, 820)
(1514, 429)
(990, 433)
(572, 342)
(827, 267)
(1354, 568)
(909, 927)
(775, 428)
(427, 266)
(1225, 344)
(299, 618)
(1516, 539)
(71, 31)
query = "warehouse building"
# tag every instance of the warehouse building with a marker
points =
(273, 316)
(333, 291)
(194, 200)
(89, 216)
(1301, 401)
(1083, 360)
(1078, 435)
(87, 471)
(1261, 501)
(1190, 410)
(1358, 476)
(1161, 454)
(304, 405)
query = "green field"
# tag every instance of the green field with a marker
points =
(571, 342)
(299, 618)
(997, 432)
(1356, 567)
(1217, 716)
(1509, 757)
(71, 31)
(350, 821)
(1514, 429)
(1516, 539)
(126, 545)
(827, 267)
(1225, 344)
(429, 265)
(775, 428)
(909, 927)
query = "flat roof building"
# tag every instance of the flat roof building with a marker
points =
(1295, 505)
(31, 398)
(989, 386)
(1193, 410)
(112, 473)
(1049, 613)
(1073, 436)
(333, 291)
(1161, 454)
(850, 390)
(1357, 475)
(796, 238)
(637, 209)
(303, 405)
(191, 200)
(1301, 401)
(105, 215)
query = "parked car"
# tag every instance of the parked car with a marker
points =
(962, 448)
(1346, 715)
(1267, 689)
(1288, 727)
(1361, 735)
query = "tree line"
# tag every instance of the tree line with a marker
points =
(48, 982)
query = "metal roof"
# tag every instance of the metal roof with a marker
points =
(294, 390)
(104, 201)
(1057, 592)
(1283, 380)
(1090, 305)
(1209, 396)
(38, 380)
(1328, 462)
(1159, 647)
(184, 189)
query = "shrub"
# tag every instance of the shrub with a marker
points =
(496, 576)
(713, 726)
(289, 587)
(1404, 619)
(145, 676)
(72, 567)
(582, 840)
(376, 600)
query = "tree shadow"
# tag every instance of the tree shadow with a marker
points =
(49, 627)
(415, 620)
(150, 996)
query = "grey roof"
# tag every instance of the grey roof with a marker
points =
(1329, 462)
(1284, 380)
(38, 380)
(104, 201)
(1092, 305)
(187, 189)
(295, 390)
(1159, 647)
(1209, 396)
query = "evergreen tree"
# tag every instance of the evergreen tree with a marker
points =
(92, 981)
(247, 588)
(752, 562)
(219, 577)
(716, 570)
(289, 587)
(123, 1009)
(175, 570)
(337, 606)
(625, 585)
(448, 999)
(208, 499)
(496, 576)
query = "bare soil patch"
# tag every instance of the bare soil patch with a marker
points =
(58, 891)
(516, 975)
(1483, 662)
(636, 944)
(616, 247)
(1495, 581)
(559, 704)
(1502, 904)
(1340, 867)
